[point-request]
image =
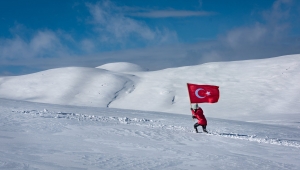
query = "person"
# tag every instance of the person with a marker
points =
(198, 114)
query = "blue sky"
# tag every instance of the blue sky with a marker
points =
(44, 34)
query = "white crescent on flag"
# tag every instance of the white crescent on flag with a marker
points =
(197, 93)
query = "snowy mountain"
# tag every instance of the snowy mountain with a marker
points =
(248, 88)
(119, 116)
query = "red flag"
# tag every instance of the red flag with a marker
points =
(203, 93)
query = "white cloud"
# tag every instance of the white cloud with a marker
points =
(12, 48)
(171, 13)
(87, 45)
(280, 10)
(42, 44)
(244, 35)
(113, 26)
(277, 18)
(259, 40)
(272, 30)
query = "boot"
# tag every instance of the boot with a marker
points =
(204, 128)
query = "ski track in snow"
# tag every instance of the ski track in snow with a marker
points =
(153, 124)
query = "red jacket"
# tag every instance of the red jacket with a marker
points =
(198, 113)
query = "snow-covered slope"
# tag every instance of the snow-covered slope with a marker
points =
(71, 86)
(122, 67)
(43, 136)
(254, 89)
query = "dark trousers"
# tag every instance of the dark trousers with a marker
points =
(203, 127)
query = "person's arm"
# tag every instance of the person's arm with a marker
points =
(193, 113)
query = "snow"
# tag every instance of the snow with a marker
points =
(68, 86)
(122, 67)
(97, 118)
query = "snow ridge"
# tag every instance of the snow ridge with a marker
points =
(126, 85)
(154, 124)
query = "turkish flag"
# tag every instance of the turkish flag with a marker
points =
(203, 93)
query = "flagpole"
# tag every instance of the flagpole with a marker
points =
(190, 100)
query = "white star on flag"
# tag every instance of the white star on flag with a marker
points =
(207, 93)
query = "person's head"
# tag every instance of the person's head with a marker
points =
(195, 106)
